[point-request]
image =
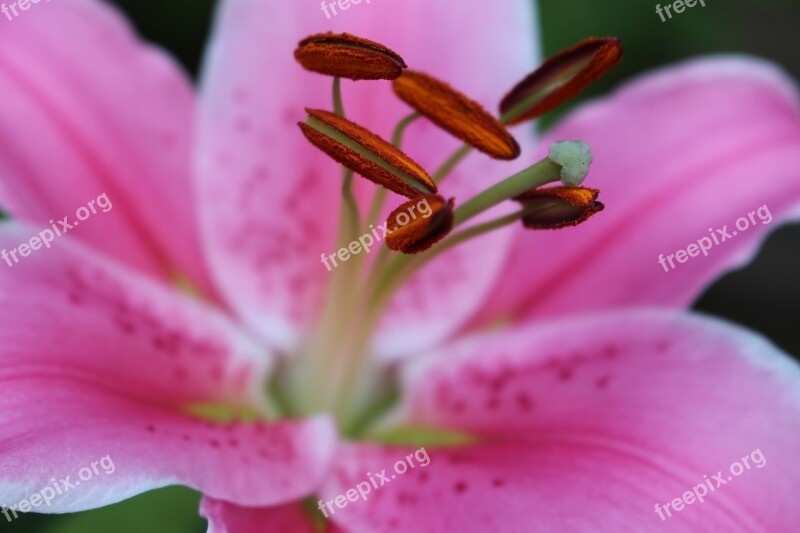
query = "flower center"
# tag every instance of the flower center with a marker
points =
(335, 370)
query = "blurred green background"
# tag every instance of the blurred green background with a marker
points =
(764, 296)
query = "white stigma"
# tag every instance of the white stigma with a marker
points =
(574, 157)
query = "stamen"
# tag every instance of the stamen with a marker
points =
(348, 56)
(416, 232)
(367, 154)
(455, 113)
(561, 78)
(560, 207)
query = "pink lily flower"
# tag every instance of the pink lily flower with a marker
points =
(575, 390)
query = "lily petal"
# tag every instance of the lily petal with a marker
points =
(228, 518)
(113, 116)
(270, 202)
(100, 361)
(689, 148)
(586, 424)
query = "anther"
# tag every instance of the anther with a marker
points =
(366, 153)
(559, 207)
(561, 78)
(456, 114)
(348, 56)
(412, 232)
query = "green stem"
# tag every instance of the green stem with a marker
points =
(545, 171)
(377, 205)
(313, 362)
(350, 216)
(400, 129)
(451, 163)
(380, 194)
(338, 107)
(349, 374)
(407, 265)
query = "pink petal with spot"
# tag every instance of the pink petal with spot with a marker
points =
(113, 117)
(676, 153)
(270, 201)
(97, 361)
(56, 426)
(71, 312)
(228, 518)
(587, 424)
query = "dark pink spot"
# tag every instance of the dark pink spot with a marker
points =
(602, 383)
(125, 325)
(610, 352)
(214, 443)
(75, 298)
(151, 428)
(524, 402)
(565, 374)
(461, 487)
(499, 382)
(578, 358)
(458, 407)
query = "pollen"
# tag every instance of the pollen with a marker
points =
(455, 113)
(559, 207)
(366, 153)
(348, 56)
(561, 78)
(412, 233)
